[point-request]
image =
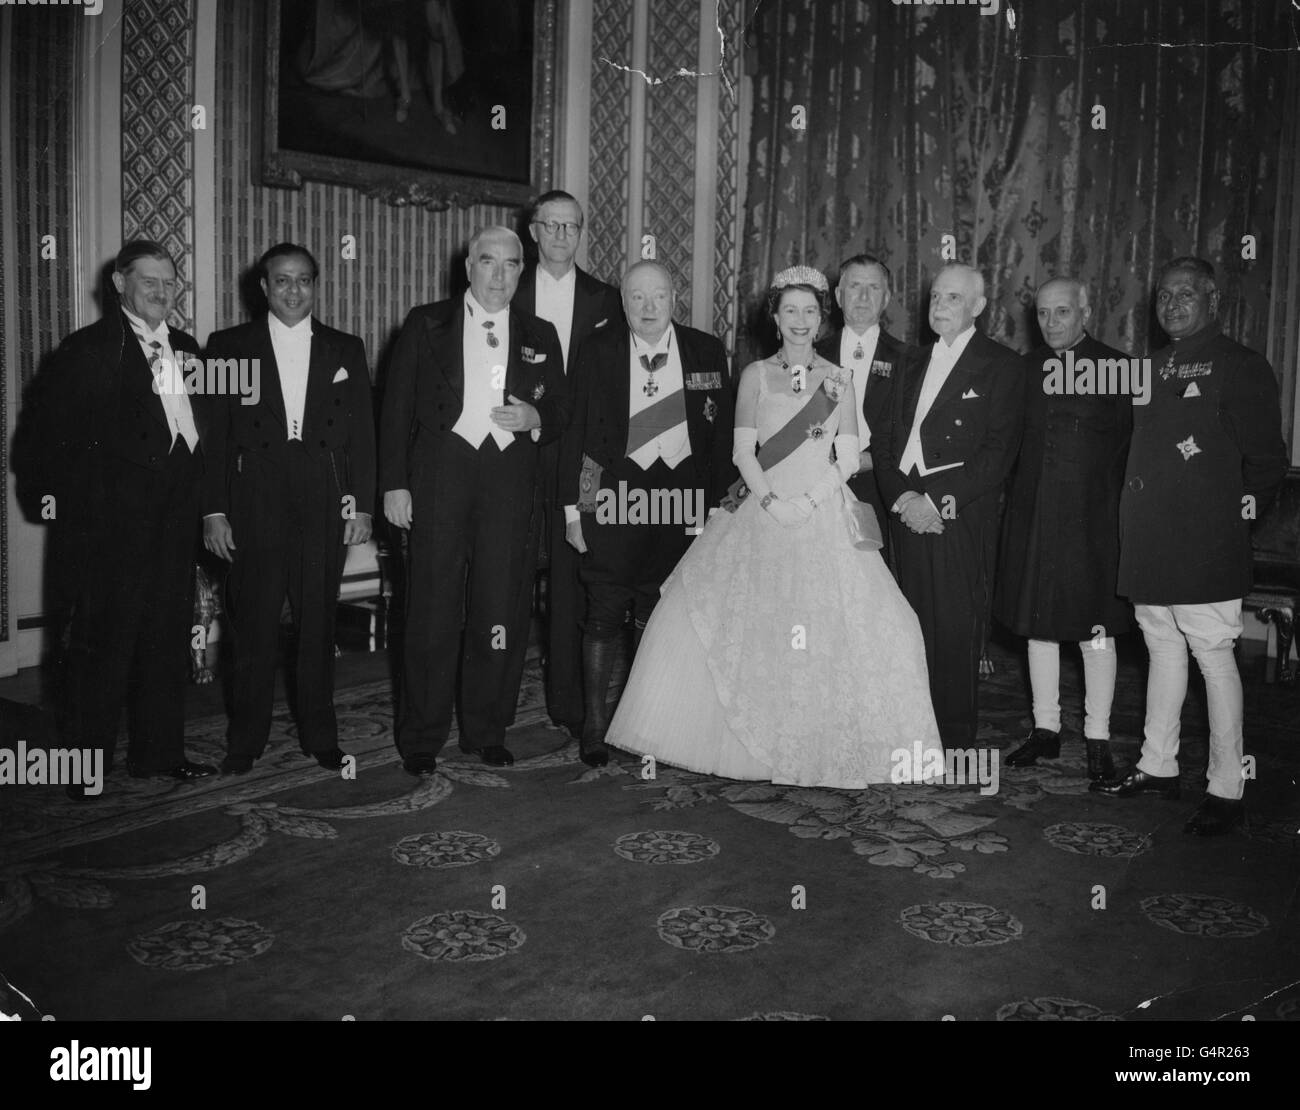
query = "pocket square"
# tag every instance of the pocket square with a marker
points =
(1192, 391)
(534, 357)
(340, 375)
(602, 323)
(969, 395)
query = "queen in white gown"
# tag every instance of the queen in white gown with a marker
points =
(779, 652)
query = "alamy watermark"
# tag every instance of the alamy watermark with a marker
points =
(1101, 377)
(25, 766)
(210, 377)
(93, 7)
(956, 766)
(655, 506)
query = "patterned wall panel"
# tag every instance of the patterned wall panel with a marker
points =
(157, 140)
(610, 138)
(404, 255)
(670, 141)
(39, 152)
(726, 242)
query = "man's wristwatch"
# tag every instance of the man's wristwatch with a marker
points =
(767, 499)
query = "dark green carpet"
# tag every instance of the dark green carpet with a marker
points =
(550, 891)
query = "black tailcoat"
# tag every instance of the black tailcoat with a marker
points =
(473, 539)
(123, 540)
(1059, 559)
(975, 420)
(286, 503)
(601, 385)
(595, 306)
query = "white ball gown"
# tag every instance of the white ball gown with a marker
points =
(783, 655)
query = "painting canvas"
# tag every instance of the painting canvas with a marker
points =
(418, 101)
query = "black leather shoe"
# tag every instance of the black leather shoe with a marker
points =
(1101, 768)
(331, 760)
(1040, 744)
(185, 771)
(420, 764)
(496, 756)
(1216, 816)
(593, 754)
(236, 764)
(1139, 782)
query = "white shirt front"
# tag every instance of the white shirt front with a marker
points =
(942, 359)
(485, 374)
(169, 378)
(555, 304)
(672, 444)
(850, 343)
(292, 348)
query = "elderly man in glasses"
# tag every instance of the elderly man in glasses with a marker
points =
(558, 290)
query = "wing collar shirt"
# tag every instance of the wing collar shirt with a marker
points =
(942, 359)
(850, 343)
(169, 378)
(485, 374)
(292, 348)
(555, 303)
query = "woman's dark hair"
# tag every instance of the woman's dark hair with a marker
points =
(774, 296)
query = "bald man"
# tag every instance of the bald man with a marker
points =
(1059, 564)
(942, 459)
(473, 388)
(652, 426)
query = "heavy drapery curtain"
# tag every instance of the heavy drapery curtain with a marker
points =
(925, 121)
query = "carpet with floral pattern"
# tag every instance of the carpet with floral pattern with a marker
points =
(551, 891)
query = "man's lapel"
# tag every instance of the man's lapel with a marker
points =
(913, 379)
(321, 368)
(137, 376)
(959, 379)
(447, 351)
(525, 297)
(620, 386)
(272, 392)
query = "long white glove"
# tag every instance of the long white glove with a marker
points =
(744, 443)
(843, 468)
(788, 513)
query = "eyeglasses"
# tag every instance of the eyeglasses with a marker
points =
(554, 227)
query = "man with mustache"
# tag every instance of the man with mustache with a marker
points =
(127, 464)
(941, 460)
(1207, 458)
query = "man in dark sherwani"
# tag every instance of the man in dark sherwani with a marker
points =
(1060, 537)
(1207, 456)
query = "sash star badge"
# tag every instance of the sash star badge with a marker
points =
(1188, 448)
(710, 409)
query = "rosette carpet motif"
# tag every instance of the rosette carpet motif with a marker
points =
(550, 891)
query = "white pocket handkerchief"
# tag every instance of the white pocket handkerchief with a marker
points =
(534, 357)
(340, 375)
(602, 323)
(1192, 391)
(969, 394)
